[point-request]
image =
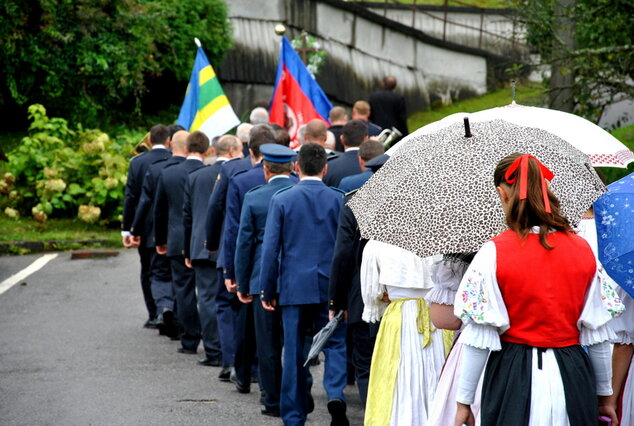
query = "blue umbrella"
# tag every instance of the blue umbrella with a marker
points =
(614, 213)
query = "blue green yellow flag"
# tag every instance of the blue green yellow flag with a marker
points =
(206, 108)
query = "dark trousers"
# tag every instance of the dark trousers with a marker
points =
(145, 256)
(245, 357)
(162, 288)
(363, 336)
(227, 305)
(207, 289)
(268, 337)
(184, 281)
(298, 322)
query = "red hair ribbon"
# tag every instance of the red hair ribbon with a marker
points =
(544, 173)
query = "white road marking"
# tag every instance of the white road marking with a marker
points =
(33, 267)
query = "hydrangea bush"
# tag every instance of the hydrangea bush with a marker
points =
(57, 171)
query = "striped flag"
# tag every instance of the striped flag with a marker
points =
(297, 97)
(206, 108)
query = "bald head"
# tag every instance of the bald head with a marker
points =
(361, 111)
(227, 145)
(316, 131)
(179, 142)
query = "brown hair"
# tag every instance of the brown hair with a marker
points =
(522, 215)
(197, 142)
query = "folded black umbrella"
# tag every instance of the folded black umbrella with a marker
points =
(321, 338)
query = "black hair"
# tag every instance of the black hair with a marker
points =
(312, 159)
(258, 135)
(354, 133)
(159, 134)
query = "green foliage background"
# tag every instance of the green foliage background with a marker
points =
(92, 60)
(60, 171)
(601, 61)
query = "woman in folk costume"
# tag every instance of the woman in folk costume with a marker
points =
(531, 297)
(409, 352)
(446, 276)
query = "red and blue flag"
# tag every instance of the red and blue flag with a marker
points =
(297, 97)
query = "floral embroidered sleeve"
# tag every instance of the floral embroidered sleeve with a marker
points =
(602, 304)
(479, 303)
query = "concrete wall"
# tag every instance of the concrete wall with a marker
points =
(500, 34)
(362, 48)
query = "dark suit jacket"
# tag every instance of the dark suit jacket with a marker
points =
(299, 239)
(197, 192)
(337, 130)
(344, 290)
(388, 109)
(218, 203)
(239, 185)
(255, 208)
(345, 165)
(168, 206)
(143, 224)
(134, 183)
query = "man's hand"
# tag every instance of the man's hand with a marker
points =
(244, 298)
(464, 416)
(331, 315)
(188, 263)
(231, 285)
(162, 249)
(126, 240)
(607, 408)
(135, 240)
(269, 306)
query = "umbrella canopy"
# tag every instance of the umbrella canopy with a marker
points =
(320, 339)
(615, 230)
(436, 194)
(603, 149)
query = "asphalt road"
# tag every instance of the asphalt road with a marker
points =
(73, 352)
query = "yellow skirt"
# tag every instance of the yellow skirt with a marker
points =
(387, 355)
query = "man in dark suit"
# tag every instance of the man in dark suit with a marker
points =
(299, 239)
(227, 303)
(345, 289)
(361, 111)
(161, 274)
(367, 151)
(197, 192)
(338, 118)
(159, 136)
(388, 107)
(354, 133)
(168, 236)
(268, 325)
(239, 185)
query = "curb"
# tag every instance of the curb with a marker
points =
(28, 247)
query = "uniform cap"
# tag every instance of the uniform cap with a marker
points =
(276, 153)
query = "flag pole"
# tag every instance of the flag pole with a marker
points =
(197, 42)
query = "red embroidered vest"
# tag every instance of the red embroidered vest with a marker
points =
(543, 290)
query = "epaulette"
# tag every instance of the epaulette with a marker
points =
(334, 188)
(171, 165)
(283, 189)
(253, 189)
(160, 160)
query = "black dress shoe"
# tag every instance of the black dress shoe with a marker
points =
(270, 412)
(151, 323)
(239, 386)
(310, 403)
(337, 410)
(186, 351)
(210, 362)
(225, 374)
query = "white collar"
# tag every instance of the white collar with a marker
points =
(352, 148)
(279, 177)
(194, 157)
(311, 178)
(158, 146)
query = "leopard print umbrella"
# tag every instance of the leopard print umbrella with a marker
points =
(436, 194)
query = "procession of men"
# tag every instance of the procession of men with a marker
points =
(236, 239)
